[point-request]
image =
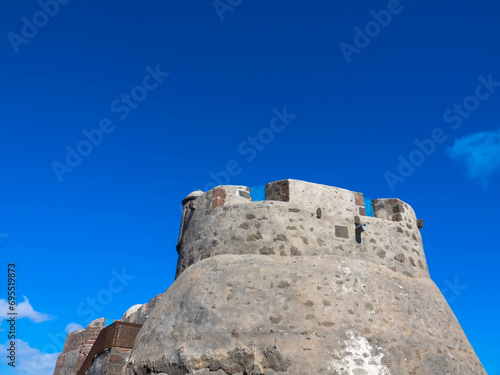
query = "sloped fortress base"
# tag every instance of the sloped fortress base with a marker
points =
(297, 285)
(254, 314)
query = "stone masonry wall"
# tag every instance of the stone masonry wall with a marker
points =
(110, 361)
(140, 313)
(79, 343)
(300, 218)
(391, 209)
(76, 348)
(331, 315)
(117, 336)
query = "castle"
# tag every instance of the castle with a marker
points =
(302, 282)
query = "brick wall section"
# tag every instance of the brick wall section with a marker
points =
(77, 347)
(360, 202)
(218, 197)
(117, 335)
(278, 191)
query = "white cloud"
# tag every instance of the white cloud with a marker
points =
(23, 310)
(72, 327)
(29, 361)
(480, 152)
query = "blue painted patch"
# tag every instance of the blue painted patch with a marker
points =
(368, 207)
(258, 193)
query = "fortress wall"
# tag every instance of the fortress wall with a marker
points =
(139, 313)
(299, 219)
(111, 349)
(76, 348)
(257, 314)
(393, 209)
(80, 344)
(227, 195)
(310, 195)
(293, 286)
(110, 361)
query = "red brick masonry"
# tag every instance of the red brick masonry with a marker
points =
(119, 334)
(77, 347)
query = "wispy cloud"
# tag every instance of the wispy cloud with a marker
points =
(480, 152)
(30, 361)
(23, 310)
(72, 327)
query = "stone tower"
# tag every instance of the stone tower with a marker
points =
(300, 283)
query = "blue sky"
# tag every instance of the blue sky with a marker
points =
(112, 113)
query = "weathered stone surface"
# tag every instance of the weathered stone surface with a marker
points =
(244, 227)
(420, 223)
(303, 315)
(139, 313)
(110, 361)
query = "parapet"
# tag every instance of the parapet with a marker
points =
(299, 218)
(111, 349)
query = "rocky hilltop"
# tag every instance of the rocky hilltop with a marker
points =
(302, 282)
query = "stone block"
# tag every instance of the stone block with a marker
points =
(341, 231)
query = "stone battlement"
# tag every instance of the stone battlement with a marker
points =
(298, 218)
